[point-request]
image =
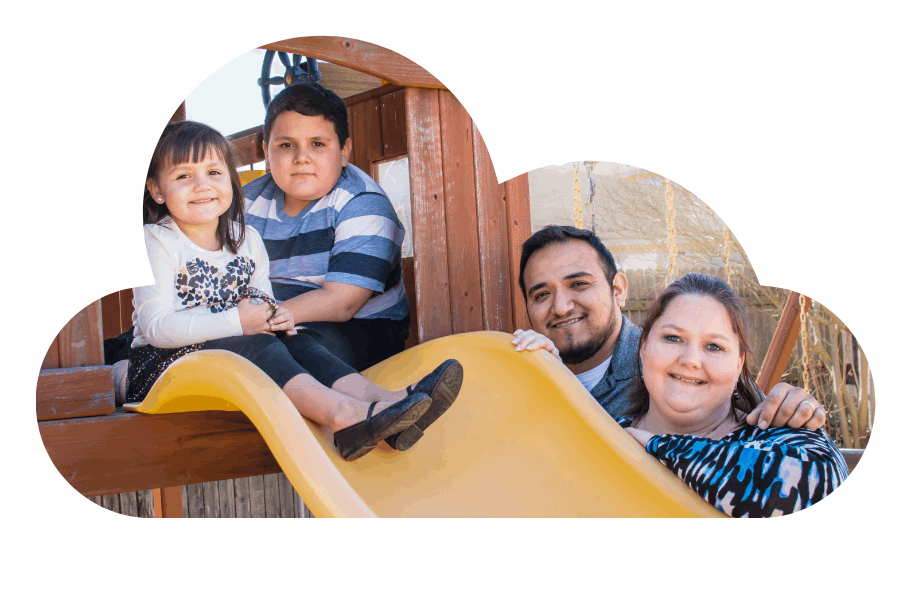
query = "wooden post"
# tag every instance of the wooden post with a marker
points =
(493, 248)
(432, 306)
(180, 114)
(783, 343)
(80, 340)
(461, 218)
(168, 502)
(519, 228)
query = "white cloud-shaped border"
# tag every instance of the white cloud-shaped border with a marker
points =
(512, 155)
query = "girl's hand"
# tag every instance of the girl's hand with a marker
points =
(641, 436)
(254, 318)
(526, 339)
(282, 321)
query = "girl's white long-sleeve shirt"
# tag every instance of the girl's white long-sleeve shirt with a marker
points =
(195, 291)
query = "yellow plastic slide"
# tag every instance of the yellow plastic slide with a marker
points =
(523, 439)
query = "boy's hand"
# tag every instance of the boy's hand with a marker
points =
(282, 321)
(254, 318)
(786, 405)
(527, 339)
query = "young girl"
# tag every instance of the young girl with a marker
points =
(212, 291)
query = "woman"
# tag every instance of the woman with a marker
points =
(694, 395)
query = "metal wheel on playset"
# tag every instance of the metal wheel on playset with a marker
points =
(295, 72)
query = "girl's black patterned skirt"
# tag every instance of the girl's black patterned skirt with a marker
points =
(147, 363)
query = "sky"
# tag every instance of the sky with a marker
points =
(229, 99)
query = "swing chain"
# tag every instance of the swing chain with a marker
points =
(726, 246)
(577, 198)
(804, 343)
(589, 165)
(671, 270)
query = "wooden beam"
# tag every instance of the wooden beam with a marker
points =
(180, 114)
(346, 82)
(52, 358)
(249, 146)
(80, 340)
(361, 56)
(367, 141)
(852, 457)
(124, 451)
(110, 315)
(492, 241)
(519, 228)
(376, 93)
(126, 309)
(782, 344)
(168, 502)
(461, 215)
(432, 306)
(392, 118)
(408, 279)
(75, 393)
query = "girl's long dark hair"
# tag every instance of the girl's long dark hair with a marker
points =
(747, 395)
(190, 142)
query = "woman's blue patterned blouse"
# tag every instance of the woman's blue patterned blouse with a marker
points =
(754, 472)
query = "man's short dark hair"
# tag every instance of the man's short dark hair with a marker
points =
(553, 234)
(309, 99)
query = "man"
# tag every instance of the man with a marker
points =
(574, 296)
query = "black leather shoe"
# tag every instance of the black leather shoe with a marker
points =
(443, 385)
(358, 439)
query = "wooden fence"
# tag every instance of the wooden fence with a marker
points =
(269, 496)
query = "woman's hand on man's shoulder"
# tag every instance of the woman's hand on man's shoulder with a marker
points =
(787, 405)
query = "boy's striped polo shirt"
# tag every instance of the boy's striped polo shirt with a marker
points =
(351, 235)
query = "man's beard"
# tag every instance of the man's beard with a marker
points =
(579, 353)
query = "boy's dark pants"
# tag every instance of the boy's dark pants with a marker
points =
(360, 343)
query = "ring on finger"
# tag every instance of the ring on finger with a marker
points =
(808, 402)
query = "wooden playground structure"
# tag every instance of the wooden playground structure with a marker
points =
(467, 233)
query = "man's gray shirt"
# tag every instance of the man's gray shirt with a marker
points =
(622, 376)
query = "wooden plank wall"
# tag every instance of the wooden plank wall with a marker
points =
(377, 128)
(467, 228)
(259, 497)
(74, 383)
(79, 342)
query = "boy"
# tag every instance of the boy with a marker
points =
(333, 237)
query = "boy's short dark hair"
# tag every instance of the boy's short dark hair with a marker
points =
(552, 234)
(309, 99)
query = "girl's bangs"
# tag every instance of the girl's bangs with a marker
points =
(192, 148)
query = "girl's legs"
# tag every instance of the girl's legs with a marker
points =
(329, 370)
(356, 386)
(327, 406)
(313, 400)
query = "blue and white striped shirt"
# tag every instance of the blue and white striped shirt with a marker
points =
(350, 235)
